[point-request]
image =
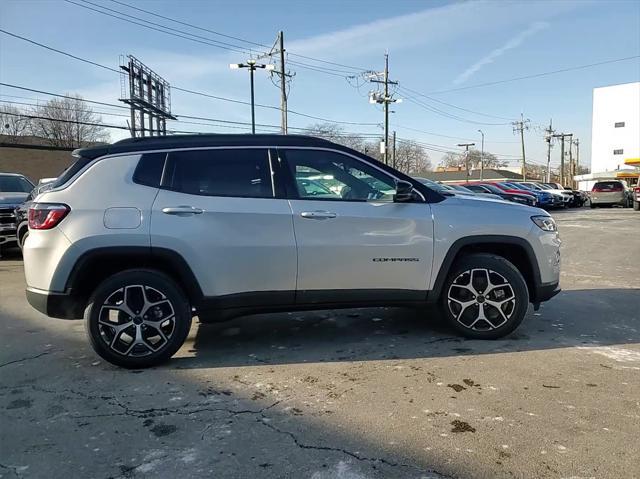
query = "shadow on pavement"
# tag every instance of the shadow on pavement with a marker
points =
(574, 318)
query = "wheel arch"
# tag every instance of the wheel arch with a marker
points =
(95, 265)
(514, 249)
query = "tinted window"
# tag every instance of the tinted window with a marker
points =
(15, 184)
(149, 169)
(232, 172)
(345, 177)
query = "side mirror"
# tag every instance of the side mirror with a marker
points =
(404, 191)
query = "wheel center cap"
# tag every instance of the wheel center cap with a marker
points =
(480, 299)
(137, 320)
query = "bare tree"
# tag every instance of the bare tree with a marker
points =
(411, 158)
(12, 124)
(458, 159)
(68, 122)
(337, 134)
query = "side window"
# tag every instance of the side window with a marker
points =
(149, 169)
(222, 172)
(325, 175)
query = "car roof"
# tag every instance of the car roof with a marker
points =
(170, 142)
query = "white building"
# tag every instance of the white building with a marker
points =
(615, 134)
(615, 131)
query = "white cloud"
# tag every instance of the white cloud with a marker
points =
(429, 28)
(498, 52)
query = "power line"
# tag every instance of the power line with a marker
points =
(163, 29)
(186, 90)
(536, 75)
(454, 106)
(447, 114)
(191, 25)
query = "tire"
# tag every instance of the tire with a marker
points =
(501, 316)
(636, 205)
(22, 239)
(134, 340)
(592, 205)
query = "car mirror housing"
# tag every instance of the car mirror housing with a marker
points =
(404, 192)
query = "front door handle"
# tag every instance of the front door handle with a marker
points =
(182, 210)
(318, 215)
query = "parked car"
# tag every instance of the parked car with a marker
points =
(528, 200)
(14, 189)
(560, 200)
(465, 190)
(216, 226)
(543, 199)
(610, 193)
(636, 197)
(579, 197)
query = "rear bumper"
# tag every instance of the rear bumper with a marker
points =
(54, 305)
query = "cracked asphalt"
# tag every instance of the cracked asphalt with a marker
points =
(353, 394)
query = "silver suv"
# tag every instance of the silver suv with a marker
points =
(140, 236)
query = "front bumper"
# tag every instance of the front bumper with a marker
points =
(546, 291)
(55, 305)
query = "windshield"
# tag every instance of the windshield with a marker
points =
(433, 185)
(15, 184)
(493, 189)
(461, 188)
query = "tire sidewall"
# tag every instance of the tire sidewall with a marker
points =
(156, 280)
(502, 267)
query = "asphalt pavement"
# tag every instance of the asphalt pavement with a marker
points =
(354, 394)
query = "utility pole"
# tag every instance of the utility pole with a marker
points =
(252, 66)
(548, 137)
(466, 156)
(482, 156)
(393, 151)
(283, 84)
(374, 97)
(519, 127)
(570, 160)
(562, 137)
(577, 163)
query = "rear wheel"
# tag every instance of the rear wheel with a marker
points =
(484, 297)
(636, 205)
(137, 318)
(22, 239)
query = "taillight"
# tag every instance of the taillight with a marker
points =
(44, 216)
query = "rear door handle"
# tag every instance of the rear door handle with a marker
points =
(318, 215)
(182, 210)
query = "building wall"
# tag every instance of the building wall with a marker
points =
(34, 163)
(613, 104)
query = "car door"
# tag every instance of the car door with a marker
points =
(355, 243)
(219, 210)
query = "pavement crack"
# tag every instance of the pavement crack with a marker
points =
(28, 358)
(265, 421)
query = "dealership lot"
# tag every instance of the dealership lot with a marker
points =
(350, 394)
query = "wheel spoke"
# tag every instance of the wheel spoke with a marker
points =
(486, 289)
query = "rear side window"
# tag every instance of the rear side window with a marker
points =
(242, 173)
(149, 169)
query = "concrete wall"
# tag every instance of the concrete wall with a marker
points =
(34, 163)
(613, 104)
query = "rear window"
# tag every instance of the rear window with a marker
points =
(149, 169)
(14, 184)
(244, 173)
(608, 185)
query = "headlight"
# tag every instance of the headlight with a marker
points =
(545, 223)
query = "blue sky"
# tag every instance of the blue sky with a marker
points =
(433, 46)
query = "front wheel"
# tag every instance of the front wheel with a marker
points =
(484, 297)
(636, 205)
(137, 318)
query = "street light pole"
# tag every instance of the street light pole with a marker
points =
(252, 66)
(482, 156)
